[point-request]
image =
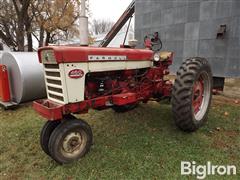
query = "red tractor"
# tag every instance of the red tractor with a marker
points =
(80, 78)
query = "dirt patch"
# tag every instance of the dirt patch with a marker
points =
(219, 100)
(231, 82)
(232, 87)
(219, 138)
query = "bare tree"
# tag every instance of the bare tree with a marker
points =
(1, 46)
(8, 24)
(21, 10)
(48, 21)
(101, 26)
(56, 19)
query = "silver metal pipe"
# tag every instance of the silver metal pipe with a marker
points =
(83, 22)
(83, 8)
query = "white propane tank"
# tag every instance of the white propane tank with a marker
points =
(26, 76)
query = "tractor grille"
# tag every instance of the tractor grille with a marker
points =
(54, 82)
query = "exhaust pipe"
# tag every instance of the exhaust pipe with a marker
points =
(83, 21)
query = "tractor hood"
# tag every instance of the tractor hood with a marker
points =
(67, 54)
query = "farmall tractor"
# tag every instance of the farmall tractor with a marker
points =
(80, 78)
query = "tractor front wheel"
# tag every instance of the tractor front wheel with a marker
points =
(192, 94)
(46, 132)
(70, 141)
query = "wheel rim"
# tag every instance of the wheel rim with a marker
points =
(201, 95)
(73, 144)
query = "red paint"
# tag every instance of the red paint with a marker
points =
(122, 99)
(106, 89)
(76, 73)
(150, 85)
(66, 54)
(198, 91)
(48, 109)
(4, 84)
(148, 43)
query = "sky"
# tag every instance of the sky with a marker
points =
(108, 9)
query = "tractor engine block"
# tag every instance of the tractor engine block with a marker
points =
(146, 82)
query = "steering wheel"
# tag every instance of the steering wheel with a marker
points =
(153, 42)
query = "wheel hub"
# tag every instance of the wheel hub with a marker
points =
(72, 142)
(201, 96)
(198, 91)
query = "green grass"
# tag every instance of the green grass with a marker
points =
(141, 144)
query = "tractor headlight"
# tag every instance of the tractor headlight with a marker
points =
(156, 57)
(48, 57)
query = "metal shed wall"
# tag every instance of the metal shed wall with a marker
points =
(189, 28)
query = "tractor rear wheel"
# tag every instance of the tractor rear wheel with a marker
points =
(70, 141)
(192, 94)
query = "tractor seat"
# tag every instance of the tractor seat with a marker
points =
(164, 55)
